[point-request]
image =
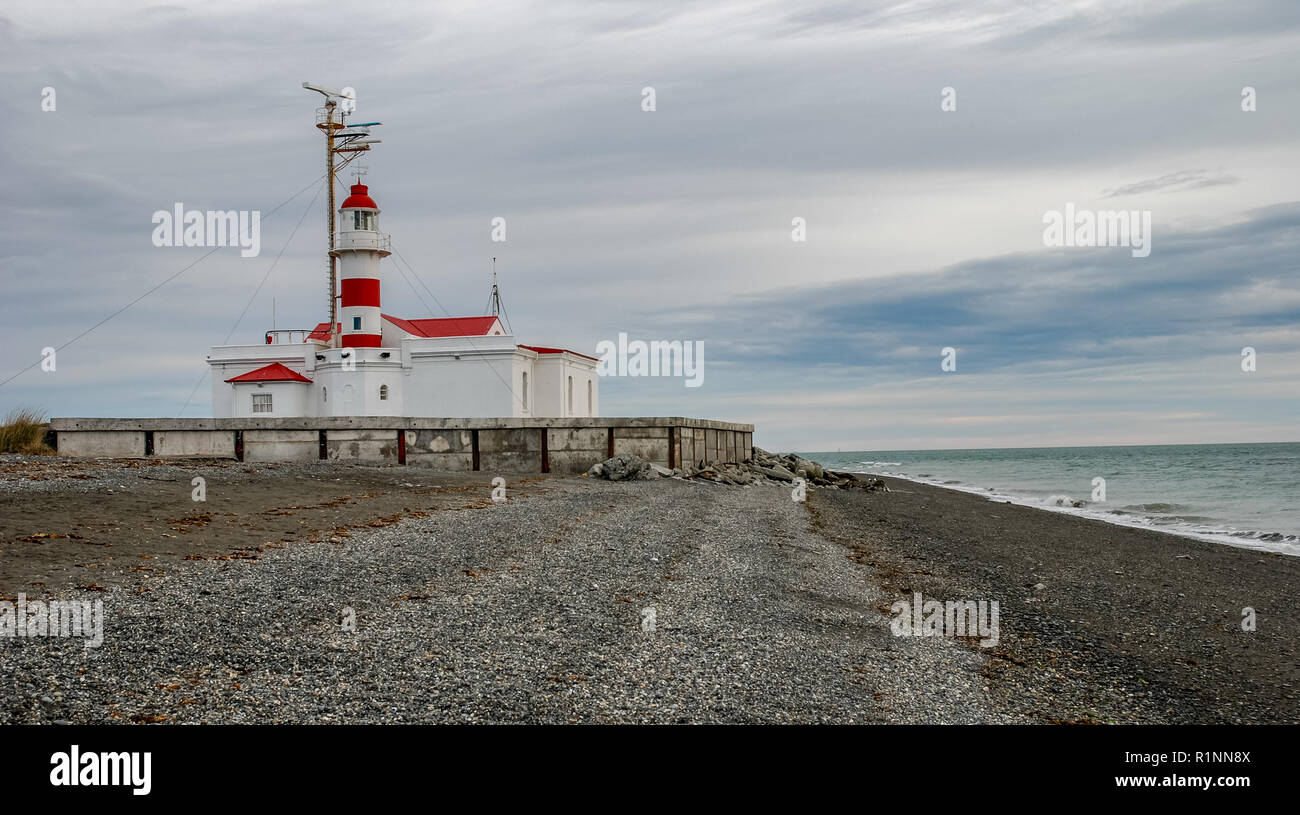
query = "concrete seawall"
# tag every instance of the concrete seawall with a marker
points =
(559, 445)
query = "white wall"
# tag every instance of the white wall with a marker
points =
(287, 398)
(472, 386)
(337, 391)
(521, 366)
(553, 372)
(549, 390)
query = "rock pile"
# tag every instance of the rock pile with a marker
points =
(761, 467)
(627, 467)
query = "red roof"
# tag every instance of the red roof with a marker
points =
(539, 349)
(359, 199)
(445, 327)
(321, 332)
(275, 372)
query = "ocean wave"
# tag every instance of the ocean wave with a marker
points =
(1141, 516)
(1267, 537)
(1063, 501)
(1156, 507)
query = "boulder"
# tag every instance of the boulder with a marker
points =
(812, 468)
(624, 467)
(778, 472)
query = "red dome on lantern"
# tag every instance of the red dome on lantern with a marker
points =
(359, 199)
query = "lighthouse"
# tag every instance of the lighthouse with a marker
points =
(359, 248)
(362, 362)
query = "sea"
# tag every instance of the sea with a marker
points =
(1245, 495)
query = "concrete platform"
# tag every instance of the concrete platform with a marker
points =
(559, 445)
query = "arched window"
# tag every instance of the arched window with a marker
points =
(324, 394)
(523, 391)
(383, 393)
(570, 410)
(588, 397)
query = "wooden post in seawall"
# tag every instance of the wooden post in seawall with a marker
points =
(546, 454)
(672, 447)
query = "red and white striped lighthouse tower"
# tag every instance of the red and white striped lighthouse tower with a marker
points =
(359, 248)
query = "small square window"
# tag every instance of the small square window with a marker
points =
(356, 323)
(261, 403)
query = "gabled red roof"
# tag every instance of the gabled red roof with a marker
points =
(445, 327)
(321, 332)
(541, 350)
(275, 372)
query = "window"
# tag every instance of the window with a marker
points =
(356, 323)
(570, 405)
(383, 393)
(588, 397)
(363, 220)
(524, 391)
(324, 394)
(261, 403)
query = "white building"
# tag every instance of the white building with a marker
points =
(374, 364)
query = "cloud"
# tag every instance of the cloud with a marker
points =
(1174, 182)
(1061, 329)
(924, 226)
(1199, 291)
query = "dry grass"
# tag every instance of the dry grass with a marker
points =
(23, 432)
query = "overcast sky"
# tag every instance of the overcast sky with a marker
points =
(924, 226)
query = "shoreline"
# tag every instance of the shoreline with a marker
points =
(1254, 544)
(1125, 624)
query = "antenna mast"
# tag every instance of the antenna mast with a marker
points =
(348, 141)
(495, 303)
(494, 300)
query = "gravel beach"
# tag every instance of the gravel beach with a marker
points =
(580, 600)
